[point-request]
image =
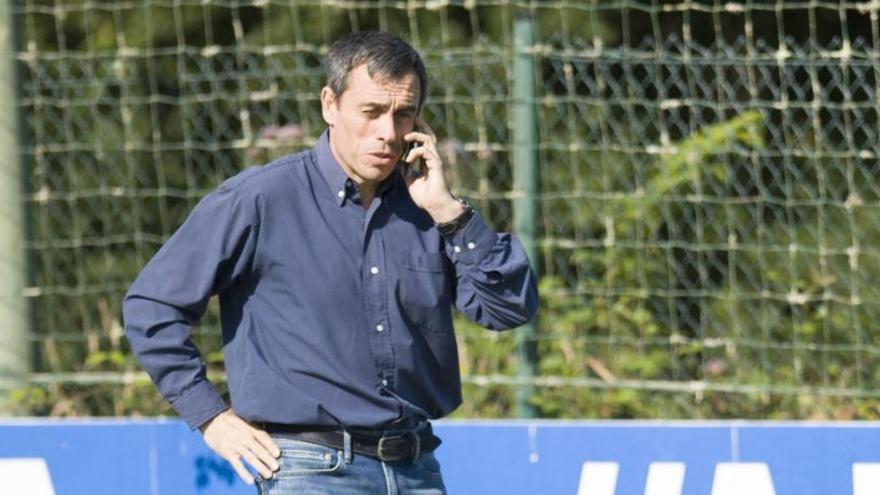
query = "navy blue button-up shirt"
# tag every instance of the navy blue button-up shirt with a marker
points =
(331, 313)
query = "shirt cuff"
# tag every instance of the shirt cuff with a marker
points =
(471, 244)
(198, 404)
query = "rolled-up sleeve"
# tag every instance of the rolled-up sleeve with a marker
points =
(495, 284)
(212, 248)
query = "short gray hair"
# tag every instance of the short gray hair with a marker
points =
(384, 53)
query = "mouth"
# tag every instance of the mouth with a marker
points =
(383, 158)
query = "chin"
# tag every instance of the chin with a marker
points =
(377, 172)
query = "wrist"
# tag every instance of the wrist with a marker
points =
(454, 226)
(204, 426)
(447, 211)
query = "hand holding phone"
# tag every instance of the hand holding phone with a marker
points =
(426, 176)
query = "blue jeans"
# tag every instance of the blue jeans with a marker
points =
(311, 469)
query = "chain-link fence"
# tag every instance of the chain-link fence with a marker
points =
(708, 177)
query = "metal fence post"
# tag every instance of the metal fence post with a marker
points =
(525, 207)
(15, 352)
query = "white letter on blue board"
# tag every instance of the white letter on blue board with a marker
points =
(598, 478)
(665, 478)
(866, 478)
(25, 477)
(742, 478)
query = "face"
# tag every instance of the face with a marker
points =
(368, 122)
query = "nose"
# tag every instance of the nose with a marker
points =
(386, 129)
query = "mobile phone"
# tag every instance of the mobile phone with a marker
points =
(414, 168)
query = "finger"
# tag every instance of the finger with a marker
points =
(240, 469)
(414, 154)
(428, 155)
(266, 441)
(257, 464)
(424, 152)
(264, 456)
(271, 464)
(420, 137)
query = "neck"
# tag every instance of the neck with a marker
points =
(368, 191)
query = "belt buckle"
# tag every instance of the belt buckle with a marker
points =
(415, 447)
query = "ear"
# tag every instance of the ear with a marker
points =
(328, 105)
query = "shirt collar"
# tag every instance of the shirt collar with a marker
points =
(331, 170)
(341, 185)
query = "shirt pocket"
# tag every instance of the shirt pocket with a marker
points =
(424, 291)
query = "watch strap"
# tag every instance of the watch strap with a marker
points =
(455, 225)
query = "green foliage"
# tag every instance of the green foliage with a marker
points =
(700, 258)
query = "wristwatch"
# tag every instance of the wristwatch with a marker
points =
(455, 225)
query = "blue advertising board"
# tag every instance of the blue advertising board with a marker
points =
(159, 456)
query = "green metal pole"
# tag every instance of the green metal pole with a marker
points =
(525, 203)
(15, 353)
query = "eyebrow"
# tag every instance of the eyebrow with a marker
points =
(382, 106)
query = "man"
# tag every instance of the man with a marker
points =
(337, 269)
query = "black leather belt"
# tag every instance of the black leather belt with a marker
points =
(390, 446)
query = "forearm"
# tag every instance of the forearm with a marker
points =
(159, 337)
(495, 285)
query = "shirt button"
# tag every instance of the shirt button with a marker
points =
(471, 245)
(374, 270)
(384, 383)
(456, 249)
(341, 194)
(379, 327)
